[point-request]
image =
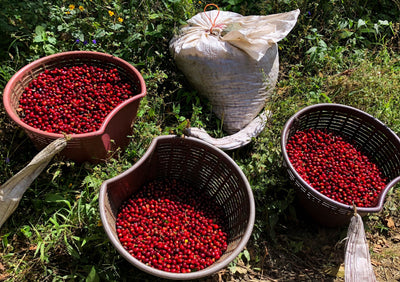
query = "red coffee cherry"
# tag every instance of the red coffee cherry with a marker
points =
(73, 100)
(172, 227)
(335, 167)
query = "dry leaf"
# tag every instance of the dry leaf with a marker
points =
(377, 248)
(241, 270)
(396, 239)
(390, 222)
(375, 263)
(332, 271)
(340, 273)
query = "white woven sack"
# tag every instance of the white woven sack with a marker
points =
(12, 191)
(357, 259)
(232, 60)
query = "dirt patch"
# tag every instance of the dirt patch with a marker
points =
(383, 235)
(305, 251)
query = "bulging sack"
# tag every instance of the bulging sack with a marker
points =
(232, 60)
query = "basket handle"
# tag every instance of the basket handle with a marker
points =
(390, 185)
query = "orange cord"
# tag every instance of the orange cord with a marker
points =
(212, 22)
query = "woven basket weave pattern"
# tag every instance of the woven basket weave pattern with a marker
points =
(369, 134)
(204, 168)
(86, 146)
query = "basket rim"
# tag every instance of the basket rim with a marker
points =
(43, 61)
(317, 194)
(170, 275)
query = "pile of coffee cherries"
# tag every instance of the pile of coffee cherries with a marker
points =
(335, 167)
(170, 226)
(74, 99)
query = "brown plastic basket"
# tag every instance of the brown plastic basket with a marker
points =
(202, 166)
(93, 146)
(375, 139)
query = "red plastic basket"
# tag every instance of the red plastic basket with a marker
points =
(94, 146)
(374, 137)
(204, 168)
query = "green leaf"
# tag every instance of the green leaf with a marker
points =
(361, 23)
(385, 22)
(322, 44)
(235, 2)
(328, 100)
(61, 27)
(312, 50)
(26, 230)
(100, 33)
(232, 268)
(70, 249)
(38, 39)
(40, 30)
(4, 240)
(116, 26)
(92, 181)
(57, 198)
(56, 173)
(346, 34)
(93, 276)
(154, 16)
(246, 255)
(52, 40)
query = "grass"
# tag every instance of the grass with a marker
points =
(339, 52)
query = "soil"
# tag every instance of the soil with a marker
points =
(306, 251)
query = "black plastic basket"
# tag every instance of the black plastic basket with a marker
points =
(206, 169)
(377, 140)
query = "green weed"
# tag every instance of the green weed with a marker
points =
(339, 52)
